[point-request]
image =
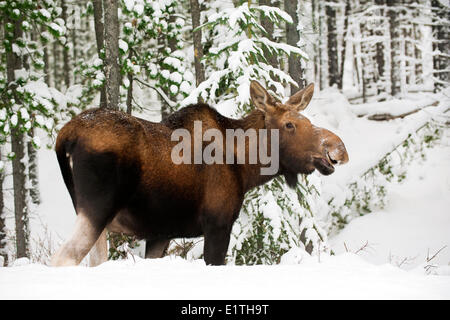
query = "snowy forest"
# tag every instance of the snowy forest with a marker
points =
(381, 70)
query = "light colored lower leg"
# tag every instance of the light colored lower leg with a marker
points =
(77, 247)
(99, 252)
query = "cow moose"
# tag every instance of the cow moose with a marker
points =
(120, 176)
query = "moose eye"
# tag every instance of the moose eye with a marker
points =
(289, 125)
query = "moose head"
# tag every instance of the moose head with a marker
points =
(303, 147)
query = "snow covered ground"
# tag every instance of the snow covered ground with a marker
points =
(415, 223)
(346, 276)
(395, 241)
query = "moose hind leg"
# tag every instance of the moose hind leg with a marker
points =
(155, 248)
(99, 252)
(77, 247)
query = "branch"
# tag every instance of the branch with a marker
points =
(160, 92)
(387, 116)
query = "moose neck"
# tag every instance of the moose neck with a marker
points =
(251, 173)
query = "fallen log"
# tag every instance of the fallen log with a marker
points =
(388, 116)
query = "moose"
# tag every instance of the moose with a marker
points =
(121, 178)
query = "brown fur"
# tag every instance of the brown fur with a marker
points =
(123, 178)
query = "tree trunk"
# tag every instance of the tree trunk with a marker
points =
(333, 65)
(99, 35)
(55, 55)
(33, 170)
(46, 71)
(112, 68)
(293, 37)
(163, 42)
(393, 26)
(130, 94)
(441, 44)
(3, 252)
(14, 62)
(380, 47)
(73, 35)
(344, 44)
(198, 48)
(315, 46)
(66, 67)
(267, 24)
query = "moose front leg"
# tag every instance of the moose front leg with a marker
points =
(216, 244)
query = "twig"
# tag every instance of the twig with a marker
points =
(160, 92)
(364, 247)
(345, 246)
(434, 256)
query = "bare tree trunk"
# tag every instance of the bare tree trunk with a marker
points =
(267, 24)
(66, 68)
(14, 62)
(130, 94)
(333, 65)
(441, 44)
(112, 69)
(33, 170)
(99, 35)
(380, 46)
(315, 45)
(73, 35)
(322, 49)
(293, 37)
(393, 26)
(198, 48)
(166, 109)
(3, 252)
(344, 45)
(46, 71)
(55, 55)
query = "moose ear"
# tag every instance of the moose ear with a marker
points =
(260, 97)
(300, 100)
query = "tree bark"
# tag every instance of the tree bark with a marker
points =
(14, 62)
(33, 174)
(267, 24)
(56, 68)
(293, 37)
(344, 44)
(333, 66)
(66, 67)
(198, 48)
(393, 25)
(2, 219)
(73, 35)
(441, 44)
(99, 35)
(380, 47)
(46, 71)
(164, 41)
(112, 68)
(130, 94)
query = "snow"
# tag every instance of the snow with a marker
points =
(394, 107)
(45, 13)
(14, 120)
(416, 221)
(123, 45)
(346, 276)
